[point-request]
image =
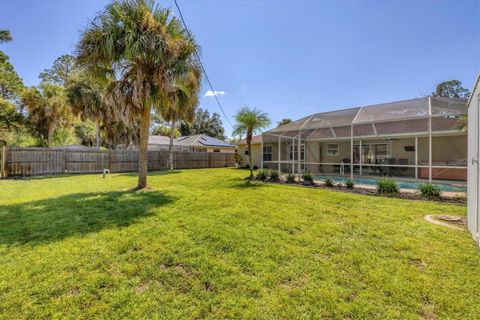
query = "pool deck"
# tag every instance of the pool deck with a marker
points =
(446, 194)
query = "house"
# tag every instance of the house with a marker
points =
(163, 143)
(416, 139)
(196, 143)
(242, 149)
(204, 143)
(473, 212)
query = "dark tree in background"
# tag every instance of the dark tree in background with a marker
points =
(451, 89)
(12, 120)
(284, 121)
(64, 67)
(5, 36)
(203, 123)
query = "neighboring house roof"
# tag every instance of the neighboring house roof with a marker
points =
(202, 140)
(391, 111)
(198, 140)
(255, 140)
(72, 147)
(163, 140)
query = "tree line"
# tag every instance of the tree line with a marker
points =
(71, 106)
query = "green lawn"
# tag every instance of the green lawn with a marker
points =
(207, 244)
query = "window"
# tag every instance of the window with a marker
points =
(216, 150)
(246, 152)
(267, 153)
(332, 149)
(295, 152)
(372, 152)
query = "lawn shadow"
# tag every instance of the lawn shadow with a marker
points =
(53, 219)
(150, 173)
(245, 184)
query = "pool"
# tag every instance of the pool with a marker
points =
(401, 183)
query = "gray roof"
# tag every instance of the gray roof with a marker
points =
(163, 140)
(73, 147)
(202, 140)
(198, 140)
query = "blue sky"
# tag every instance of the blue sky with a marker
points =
(287, 58)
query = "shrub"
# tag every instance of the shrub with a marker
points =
(262, 175)
(274, 176)
(387, 186)
(238, 160)
(328, 182)
(429, 190)
(349, 184)
(307, 178)
(290, 178)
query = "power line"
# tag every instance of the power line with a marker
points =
(201, 65)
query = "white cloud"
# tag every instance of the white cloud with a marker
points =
(211, 93)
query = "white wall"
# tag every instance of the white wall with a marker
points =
(256, 154)
(473, 215)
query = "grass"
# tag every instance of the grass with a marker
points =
(208, 244)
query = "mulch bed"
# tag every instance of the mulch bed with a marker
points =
(400, 195)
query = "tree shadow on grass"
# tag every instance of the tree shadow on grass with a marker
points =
(245, 184)
(53, 219)
(150, 173)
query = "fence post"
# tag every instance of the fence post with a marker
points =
(109, 160)
(209, 159)
(3, 167)
(226, 159)
(64, 160)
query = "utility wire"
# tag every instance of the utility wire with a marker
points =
(203, 68)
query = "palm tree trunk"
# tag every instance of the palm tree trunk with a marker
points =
(51, 130)
(143, 147)
(249, 142)
(170, 146)
(97, 132)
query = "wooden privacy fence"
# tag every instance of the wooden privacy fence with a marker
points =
(20, 161)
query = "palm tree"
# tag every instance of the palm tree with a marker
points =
(182, 99)
(250, 121)
(87, 100)
(48, 109)
(135, 41)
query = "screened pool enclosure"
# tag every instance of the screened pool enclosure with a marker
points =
(413, 139)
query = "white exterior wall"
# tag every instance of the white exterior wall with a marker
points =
(256, 154)
(473, 215)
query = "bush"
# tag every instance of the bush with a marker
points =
(274, 176)
(328, 182)
(290, 178)
(349, 184)
(429, 190)
(262, 175)
(307, 178)
(238, 160)
(387, 186)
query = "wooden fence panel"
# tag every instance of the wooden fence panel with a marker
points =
(37, 161)
(123, 161)
(34, 161)
(85, 161)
